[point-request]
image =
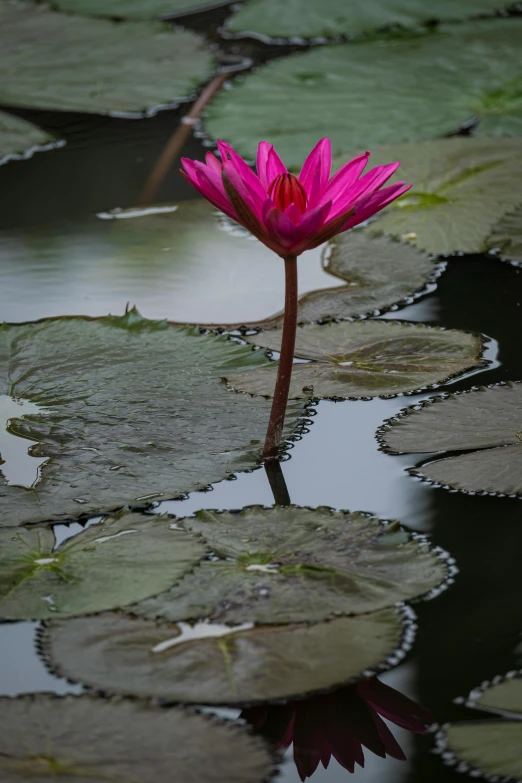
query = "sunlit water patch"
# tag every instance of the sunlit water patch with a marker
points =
(183, 264)
(17, 465)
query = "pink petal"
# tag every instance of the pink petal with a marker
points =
(274, 167)
(365, 186)
(263, 149)
(246, 217)
(395, 706)
(224, 149)
(293, 213)
(375, 203)
(207, 187)
(248, 176)
(213, 163)
(281, 229)
(253, 201)
(309, 227)
(345, 178)
(390, 744)
(316, 169)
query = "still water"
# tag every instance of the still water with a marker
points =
(57, 257)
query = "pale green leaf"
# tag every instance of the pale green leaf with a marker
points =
(364, 359)
(390, 91)
(88, 739)
(120, 654)
(113, 563)
(65, 62)
(131, 411)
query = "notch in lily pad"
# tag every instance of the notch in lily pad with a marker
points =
(352, 360)
(45, 737)
(482, 426)
(489, 748)
(111, 564)
(289, 564)
(222, 664)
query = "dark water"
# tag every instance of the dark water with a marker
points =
(470, 632)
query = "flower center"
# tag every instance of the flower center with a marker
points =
(286, 189)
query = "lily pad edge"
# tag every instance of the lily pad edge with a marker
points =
(387, 425)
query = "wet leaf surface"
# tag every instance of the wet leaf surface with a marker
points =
(364, 359)
(292, 564)
(314, 18)
(485, 423)
(493, 747)
(110, 565)
(121, 654)
(135, 9)
(19, 136)
(181, 261)
(399, 90)
(86, 738)
(65, 62)
(378, 271)
(506, 237)
(461, 189)
(134, 411)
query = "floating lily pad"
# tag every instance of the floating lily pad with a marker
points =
(218, 664)
(364, 359)
(378, 271)
(133, 411)
(19, 138)
(461, 189)
(491, 747)
(111, 564)
(318, 18)
(378, 92)
(292, 564)
(73, 738)
(485, 423)
(136, 9)
(180, 261)
(65, 62)
(506, 238)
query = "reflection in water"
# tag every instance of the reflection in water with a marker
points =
(340, 724)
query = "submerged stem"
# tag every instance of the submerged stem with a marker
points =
(284, 372)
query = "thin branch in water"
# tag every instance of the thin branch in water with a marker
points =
(277, 482)
(177, 141)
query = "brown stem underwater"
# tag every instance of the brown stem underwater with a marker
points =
(284, 372)
(176, 142)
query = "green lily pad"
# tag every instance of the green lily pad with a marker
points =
(114, 563)
(180, 261)
(506, 237)
(19, 138)
(292, 564)
(378, 272)
(132, 411)
(88, 738)
(218, 664)
(319, 18)
(461, 189)
(66, 62)
(136, 9)
(364, 359)
(378, 92)
(486, 424)
(491, 747)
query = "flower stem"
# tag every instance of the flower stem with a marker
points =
(284, 372)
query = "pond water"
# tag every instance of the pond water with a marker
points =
(58, 255)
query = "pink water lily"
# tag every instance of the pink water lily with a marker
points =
(292, 214)
(289, 215)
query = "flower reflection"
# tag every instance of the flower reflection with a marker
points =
(340, 724)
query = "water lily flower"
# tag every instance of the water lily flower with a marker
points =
(341, 724)
(291, 214)
(288, 213)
